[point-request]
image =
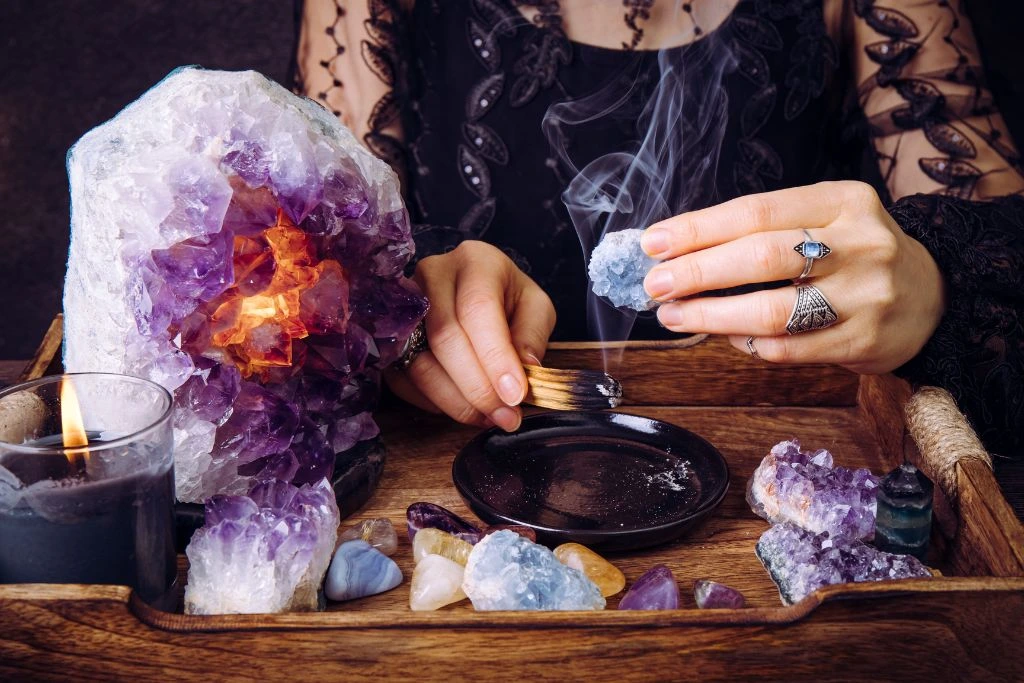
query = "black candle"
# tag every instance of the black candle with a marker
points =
(100, 513)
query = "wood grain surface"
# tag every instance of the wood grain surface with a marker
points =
(709, 373)
(951, 628)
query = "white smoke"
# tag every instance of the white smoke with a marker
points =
(672, 169)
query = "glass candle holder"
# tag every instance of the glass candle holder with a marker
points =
(87, 484)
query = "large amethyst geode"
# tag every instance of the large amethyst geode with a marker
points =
(236, 244)
(803, 487)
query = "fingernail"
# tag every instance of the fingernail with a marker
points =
(531, 358)
(509, 389)
(654, 241)
(669, 316)
(506, 418)
(658, 283)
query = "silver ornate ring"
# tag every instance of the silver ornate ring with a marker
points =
(416, 345)
(812, 311)
(812, 250)
(750, 347)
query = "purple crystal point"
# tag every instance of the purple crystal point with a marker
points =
(429, 516)
(200, 199)
(714, 595)
(229, 508)
(210, 392)
(260, 424)
(197, 269)
(801, 561)
(265, 552)
(804, 488)
(247, 160)
(655, 589)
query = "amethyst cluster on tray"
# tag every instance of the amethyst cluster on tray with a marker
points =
(236, 244)
(803, 487)
(267, 551)
(823, 520)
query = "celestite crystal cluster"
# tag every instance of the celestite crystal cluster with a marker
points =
(500, 568)
(263, 552)
(508, 572)
(617, 270)
(236, 244)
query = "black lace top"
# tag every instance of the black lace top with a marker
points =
(489, 109)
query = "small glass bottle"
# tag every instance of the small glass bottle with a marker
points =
(904, 518)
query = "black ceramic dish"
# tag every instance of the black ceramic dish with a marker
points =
(610, 481)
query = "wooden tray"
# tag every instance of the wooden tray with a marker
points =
(964, 625)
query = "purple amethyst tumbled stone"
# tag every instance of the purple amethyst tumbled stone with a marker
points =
(803, 487)
(802, 561)
(655, 589)
(714, 595)
(430, 516)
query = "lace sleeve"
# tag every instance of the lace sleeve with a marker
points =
(946, 156)
(932, 120)
(977, 353)
(351, 59)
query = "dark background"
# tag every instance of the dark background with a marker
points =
(69, 65)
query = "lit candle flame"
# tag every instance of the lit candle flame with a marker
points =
(71, 425)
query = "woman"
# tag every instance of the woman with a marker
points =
(523, 128)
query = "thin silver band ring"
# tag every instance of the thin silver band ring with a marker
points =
(753, 352)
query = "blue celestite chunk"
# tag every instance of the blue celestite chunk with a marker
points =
(357, 570)
(617, 270)
(506, 571)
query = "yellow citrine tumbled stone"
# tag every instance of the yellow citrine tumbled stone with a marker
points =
(608, 578)
(436, 542)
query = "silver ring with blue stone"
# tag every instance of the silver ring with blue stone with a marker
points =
(811, 250)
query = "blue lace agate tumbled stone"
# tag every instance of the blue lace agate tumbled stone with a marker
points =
(617, 270)
(506, 571)
(357, 570)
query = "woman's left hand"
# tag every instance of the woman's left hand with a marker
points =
(883, 285)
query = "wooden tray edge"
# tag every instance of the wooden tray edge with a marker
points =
(69, 594)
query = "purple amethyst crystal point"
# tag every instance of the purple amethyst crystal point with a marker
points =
(655, 589)
(198, 269)
(231, 241)
(264, 552)
(804, 488)
(429, 516)
(802, 561)
(714, 595)
(210, 392)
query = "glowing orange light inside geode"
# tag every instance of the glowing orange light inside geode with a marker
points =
(258, 330)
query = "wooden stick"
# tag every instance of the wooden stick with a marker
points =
(562, 389)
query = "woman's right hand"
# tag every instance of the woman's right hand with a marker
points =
(486, 319)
